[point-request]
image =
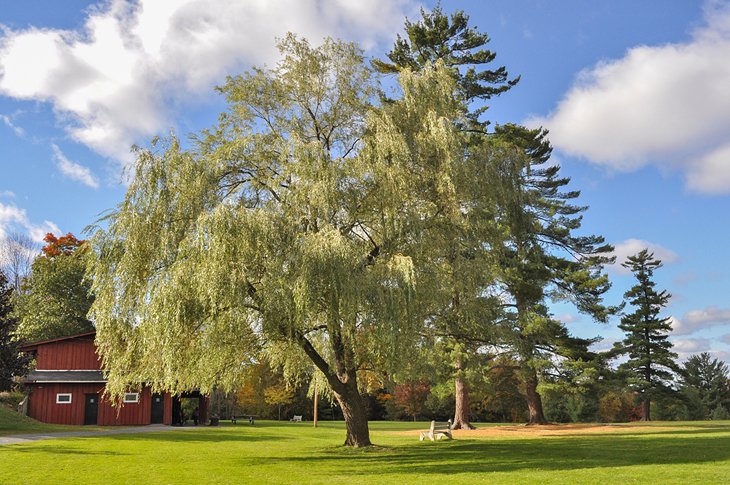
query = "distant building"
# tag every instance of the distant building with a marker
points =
(67, 387)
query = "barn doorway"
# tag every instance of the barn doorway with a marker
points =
(189, 407)
(91, 409)
(157, 413)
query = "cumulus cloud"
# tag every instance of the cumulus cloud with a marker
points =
(663, 105)
(13, 218)
(691, 345)
(630, 247)
(696, 320)
(74, 170)
(118, 78)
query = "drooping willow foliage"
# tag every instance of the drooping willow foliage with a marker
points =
(292, 226)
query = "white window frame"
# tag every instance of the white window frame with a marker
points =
(58, 398)
(131, 400)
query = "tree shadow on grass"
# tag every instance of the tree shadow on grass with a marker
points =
(206, 435)
(63, 450)
(484, 456)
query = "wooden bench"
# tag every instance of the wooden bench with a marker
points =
(250, 418)
(296, 419)
(437, 431)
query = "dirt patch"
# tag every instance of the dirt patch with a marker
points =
(522, 431)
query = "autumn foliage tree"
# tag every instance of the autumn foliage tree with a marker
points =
(279, 395)
(411, 397)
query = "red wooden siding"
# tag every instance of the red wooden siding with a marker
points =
(42, 406)
(68, 355)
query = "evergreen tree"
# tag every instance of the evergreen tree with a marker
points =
(541, 259)
(459, 265)
(524, 208)
(708, 380)
(12, 363)
(651, 361)
(461, 48)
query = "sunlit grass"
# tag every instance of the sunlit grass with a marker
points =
(272, 452)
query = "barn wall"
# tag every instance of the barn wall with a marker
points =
(68, 355)
(167, 416)
(42, 406)
(42, 403)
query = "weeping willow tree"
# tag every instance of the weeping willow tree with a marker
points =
(288, 227)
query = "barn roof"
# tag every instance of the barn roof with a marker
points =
(34, 345)
(64, 376)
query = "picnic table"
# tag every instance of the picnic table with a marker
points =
(250, 418)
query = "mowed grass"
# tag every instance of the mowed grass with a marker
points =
(283, 452)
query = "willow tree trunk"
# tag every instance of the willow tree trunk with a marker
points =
(534, 401)
(355, 413)
(343, 382)
(461, 393)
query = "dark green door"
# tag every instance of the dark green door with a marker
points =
(158, 409)
(91, 409)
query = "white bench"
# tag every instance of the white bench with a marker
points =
(437, 431)
(296, 419)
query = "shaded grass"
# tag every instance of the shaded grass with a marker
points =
(272, 452)
(12, 423)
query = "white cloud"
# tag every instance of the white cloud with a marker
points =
(118, 80)
(667, 105)
(696, 320)
(711, 172)
(630, 247)
(74, 170)
(568, 318)
(8, 121)
(603, 345)
(13, 218)
(691, 345)
(7, 193)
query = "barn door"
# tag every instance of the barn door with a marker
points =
(91, 409)
(158, 408)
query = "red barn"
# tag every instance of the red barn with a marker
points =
(67, 387)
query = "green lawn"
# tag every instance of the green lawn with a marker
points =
(272, 452)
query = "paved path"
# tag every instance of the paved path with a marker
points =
(27, 438)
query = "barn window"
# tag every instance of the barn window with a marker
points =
(131, 397)
(63, 398)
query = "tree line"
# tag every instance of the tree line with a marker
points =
(378, 241)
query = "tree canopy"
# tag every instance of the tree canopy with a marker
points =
(291, 225)
(54, 298)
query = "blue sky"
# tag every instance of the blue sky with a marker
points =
(636, 96)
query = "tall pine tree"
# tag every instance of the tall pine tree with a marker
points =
(541, 259)
(651, 360)
(450, 39)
